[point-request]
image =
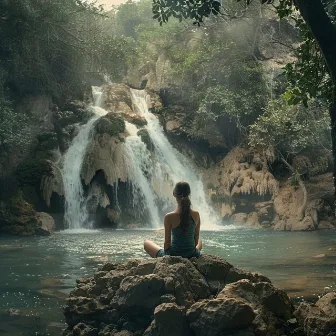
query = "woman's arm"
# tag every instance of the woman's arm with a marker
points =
(167, 227)
(197, 231)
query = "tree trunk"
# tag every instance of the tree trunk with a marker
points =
(324, 32)
(333, 140)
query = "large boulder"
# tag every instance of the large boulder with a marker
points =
(318, 319)
(18, 217)
(215, 270)
(46, 223)
(212, 317)
(117, 98)
(172, 296)
(169, 320)
(269, 304)
(140, 292)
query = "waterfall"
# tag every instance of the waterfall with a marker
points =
(172, 166)
(76, 215)
(138, 164)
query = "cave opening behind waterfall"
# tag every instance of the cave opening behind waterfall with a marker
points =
(113, 206)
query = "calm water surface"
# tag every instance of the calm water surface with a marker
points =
(37, 273)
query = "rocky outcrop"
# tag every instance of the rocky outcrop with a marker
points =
(117, 98)
(245, 192)
(106, 151)
(241, 188)
(46, 224)
(18, 217)
(175, 296)
(66, 121)
(52, 183)
(318, 319)
(318, 213)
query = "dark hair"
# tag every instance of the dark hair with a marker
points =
(182, 192)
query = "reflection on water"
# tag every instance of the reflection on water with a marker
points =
(37, 273)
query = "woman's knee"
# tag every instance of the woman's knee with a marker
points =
(147, 243)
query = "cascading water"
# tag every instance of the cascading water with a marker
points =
(139, 162)
(171, 165)
(76, 215)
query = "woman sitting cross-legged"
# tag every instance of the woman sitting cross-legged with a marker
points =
(181, 227)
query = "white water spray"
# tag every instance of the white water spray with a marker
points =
(171, 165)
(139, 162)
(76, 215)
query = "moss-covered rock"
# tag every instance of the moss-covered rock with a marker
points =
(18, 216)
(75, 106)
(45, 136)
(47, 145)
(136, 119)
(66, 118)
(31, 171)
(143, 134)
(111, 124)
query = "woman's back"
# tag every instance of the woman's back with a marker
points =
(182, 228)
(183, 242)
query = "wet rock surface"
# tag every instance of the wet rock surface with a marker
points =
(318, 319)
(175, 296)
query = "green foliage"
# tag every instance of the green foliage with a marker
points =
(17, 216)
(214, 69)
(194, 10)
(290, 129)
(210, 186)
(111, 124)
(66, 118)
(319, 166)
(46, 136)
(11, 122)
(143, 134)
(308, 77)
(48, 142)
(31, 171)
(132, 14)
(295, 179)
(57, 46)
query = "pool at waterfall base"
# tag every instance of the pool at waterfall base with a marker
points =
(38, 273)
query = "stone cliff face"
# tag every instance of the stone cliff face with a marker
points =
(34, 178)
(245, 192)
(241, 184)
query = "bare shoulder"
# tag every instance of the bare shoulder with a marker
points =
(170, 216)
(195, 214)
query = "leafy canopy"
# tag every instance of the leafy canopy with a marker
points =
(308, 77)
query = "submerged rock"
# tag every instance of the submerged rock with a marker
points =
(172, 296)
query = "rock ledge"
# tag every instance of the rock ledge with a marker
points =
(172, 296)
